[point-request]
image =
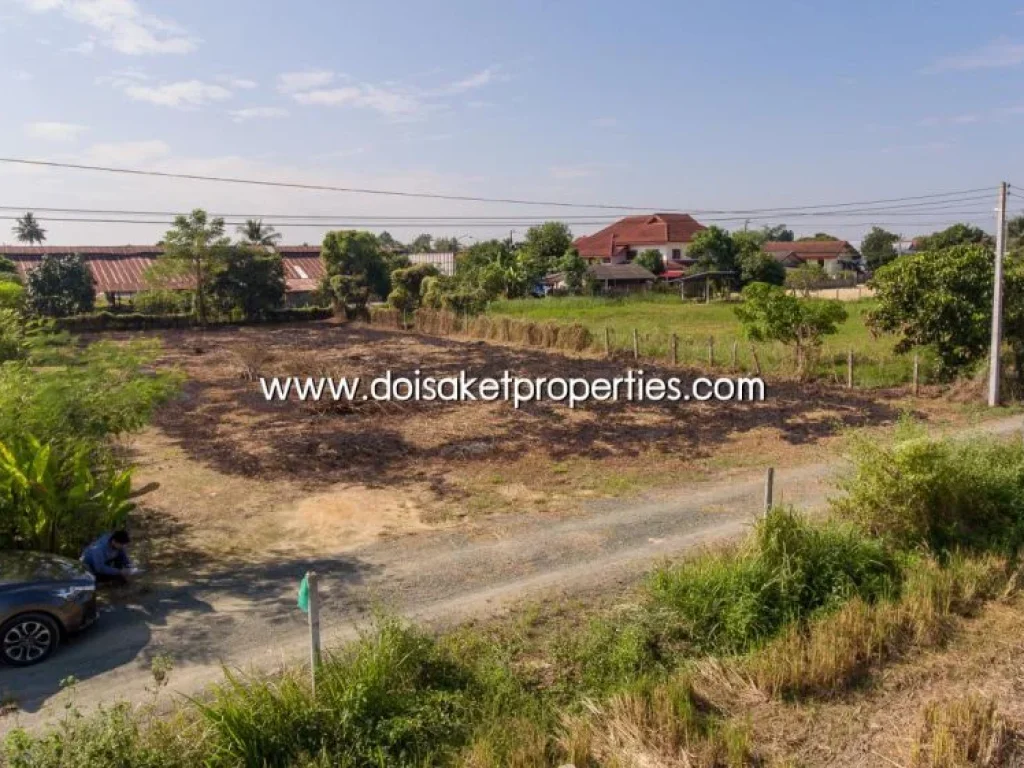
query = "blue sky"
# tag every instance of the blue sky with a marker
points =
(664, 104)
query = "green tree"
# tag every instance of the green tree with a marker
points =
(407, 286)
(388, 242)
(421, 244)
(957, 234)
(1014, 234)
(939, 299)
(356, 269)
(255, 232)
(249, 279)
(357, 253)
(541, 250)
(194, 251)
(491, 267)
(754, 264)
(574, 269)
(651, 260)
(778, 234)
(878, 247)
(768, 313)
(447, 245)
(714, 250)
(28, 230)
(61, 285)
(805, 278)
(817, 237)
(8, 271)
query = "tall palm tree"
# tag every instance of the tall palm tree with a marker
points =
(27, 229)
(255, 232)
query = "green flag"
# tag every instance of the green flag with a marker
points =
(304, 594)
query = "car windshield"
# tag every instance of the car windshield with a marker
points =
(20, 567)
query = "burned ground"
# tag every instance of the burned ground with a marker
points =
(223, 419)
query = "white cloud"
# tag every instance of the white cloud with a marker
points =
(187, 94)
(478, 80)
(290, 82)
(241, 83)
(54, 131)
(393, 103)
(257, 113)
(999, 53)
(21, 75)
(604, 122)
(121, 25)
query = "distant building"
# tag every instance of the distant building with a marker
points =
(445, 262)
(612, 278)
(834, 256)
(119, 271)
(623, 241)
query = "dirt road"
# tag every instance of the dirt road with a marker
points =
(248, 619)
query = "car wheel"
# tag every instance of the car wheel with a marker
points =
(28, 639)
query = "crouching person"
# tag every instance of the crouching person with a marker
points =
(107, 558)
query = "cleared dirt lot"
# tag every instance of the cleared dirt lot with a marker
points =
(239, 476)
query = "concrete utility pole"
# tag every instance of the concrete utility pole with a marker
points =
(994, 372)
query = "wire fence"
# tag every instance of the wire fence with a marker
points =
(842, 366)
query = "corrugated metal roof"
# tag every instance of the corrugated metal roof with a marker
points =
(620, 272)
(122, 268)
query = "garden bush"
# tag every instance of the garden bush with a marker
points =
(939, 493)
(789, 570)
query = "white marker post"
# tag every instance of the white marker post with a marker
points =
(314, 626)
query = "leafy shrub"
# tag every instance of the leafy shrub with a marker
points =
(789, 570)
(394, 698)
(99, 392)
(61, 285)
(942, 494)
(163, 302)
(12, 295)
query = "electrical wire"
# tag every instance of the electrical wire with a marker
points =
(460, 198)
(490, 225)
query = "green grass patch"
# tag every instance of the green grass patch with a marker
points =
(657, 316)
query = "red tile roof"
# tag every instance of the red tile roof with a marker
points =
(121, 268)
(647, 229)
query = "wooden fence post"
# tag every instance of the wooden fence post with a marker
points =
(917, 371)
(607, 342)
(636, 344)
(849, 368)
(735, 346)
(769, 488)
(675, 349)
(314, 627)
(711, 350)
(757, 362)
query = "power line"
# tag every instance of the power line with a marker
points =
(944, 208)
(458, 198)
(491, 225)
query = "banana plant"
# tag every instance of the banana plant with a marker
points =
(56, 497)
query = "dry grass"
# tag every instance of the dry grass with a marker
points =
(964, 732)
(833, 653)
(659, 726)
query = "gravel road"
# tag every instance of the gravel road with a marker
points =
(248, 619)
